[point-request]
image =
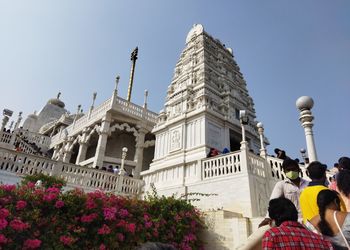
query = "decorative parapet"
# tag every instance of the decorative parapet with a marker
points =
(7, 141)
(277, 170)
(97, 114)
(40, 140)
(22, 164)
(5, 137)
(135, 110)
(221, 165)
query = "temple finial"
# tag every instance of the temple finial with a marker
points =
(145, 100)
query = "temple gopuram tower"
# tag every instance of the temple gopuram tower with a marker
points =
(201, 111)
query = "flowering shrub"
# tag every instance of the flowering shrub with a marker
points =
(47, 218)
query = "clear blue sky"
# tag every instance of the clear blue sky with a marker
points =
(285, 49)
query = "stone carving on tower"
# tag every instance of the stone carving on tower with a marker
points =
(203, 100)
(202, 111)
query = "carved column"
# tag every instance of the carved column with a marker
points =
(139, 152)
(67, 150)
(55, 152)
(83, 146)
(102, 141)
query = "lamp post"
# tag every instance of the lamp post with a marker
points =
(7, 114)
(243, 118)
(19, 119)
(261, 134)
(305, 104)
(304, 156)
(117, 78)
(145, 99)
(124, 151)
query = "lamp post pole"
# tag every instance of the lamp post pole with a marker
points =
(243, 118)
(305, 104)
(261, 134)
(124, 151)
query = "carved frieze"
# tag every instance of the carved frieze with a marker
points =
(176, 138)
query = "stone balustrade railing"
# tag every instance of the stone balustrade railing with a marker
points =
(25, 147)
(7, 141)
(221, 165)
(258, 166)
(231, 163)
(136, 110)
(98, 113)
(5, 137)
(40, 140)
(22, 164)
(277, 170)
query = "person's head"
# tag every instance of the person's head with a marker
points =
(327, 199)
(281, 210)
(336, 165)
(291, 169)
(316, 171)
(344, 163)
(277, 151)
(343, 182)
(225, 151)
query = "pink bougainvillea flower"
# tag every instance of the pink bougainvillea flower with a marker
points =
(5, 200)
(123, 213)
(59, 204)
(148, 224)
(155, 233)
(88, 218)
(21, 204)
(30, 184)
(131, 227)
(18, 225)
(32, 244)
(146, 217)
(177, 218)
(53, 190)
(121, 223)
(109, 213)
(104, 230)
(120, 237)
(3, 224)
(3, 239)
(49, 197)
(8, 188)
(190, 237)
(4, 213)
(90, 204)
(67, 240)
(102, 247)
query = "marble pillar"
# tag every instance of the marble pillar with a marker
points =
(102, 141)
(139, 152)
(83, 146)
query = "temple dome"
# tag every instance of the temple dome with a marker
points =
(56, 102)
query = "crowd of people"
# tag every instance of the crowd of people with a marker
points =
(309, 214)
(116, 170)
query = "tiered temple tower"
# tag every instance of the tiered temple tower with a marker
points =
(202, 112)
(203, 103)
